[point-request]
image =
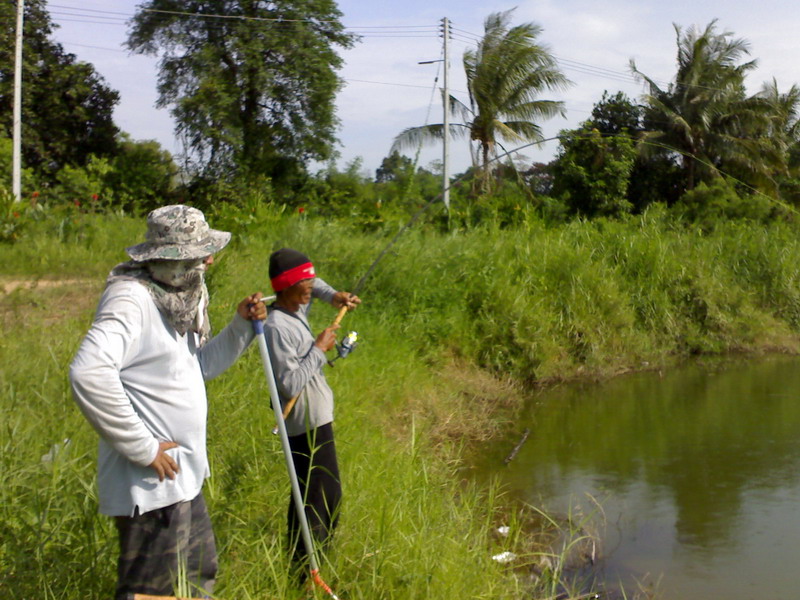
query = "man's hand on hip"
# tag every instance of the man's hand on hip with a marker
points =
(164, 464)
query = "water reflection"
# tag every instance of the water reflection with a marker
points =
(694, 467)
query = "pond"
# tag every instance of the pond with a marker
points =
(696, 471)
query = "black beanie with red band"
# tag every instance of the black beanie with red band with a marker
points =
(287, 267)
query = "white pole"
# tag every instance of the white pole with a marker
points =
(16, 183)
(446, 101)
(299, 504)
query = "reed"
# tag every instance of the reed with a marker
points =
(452, 327)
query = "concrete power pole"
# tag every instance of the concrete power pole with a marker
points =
(446, 121)
(16, 182)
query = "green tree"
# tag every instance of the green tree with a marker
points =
(592, 172)
(142, 174)
(505, 75)
(539, 178)
(617, 114)
(705, 116)
(66, 106)
(251, 83)
(394, 167)
(784, 127)
(655, 176)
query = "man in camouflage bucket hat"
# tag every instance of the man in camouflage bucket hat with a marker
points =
(138, 377)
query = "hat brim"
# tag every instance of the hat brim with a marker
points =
(211, 244)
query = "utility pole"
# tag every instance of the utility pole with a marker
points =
(446, 120)
(16, 183)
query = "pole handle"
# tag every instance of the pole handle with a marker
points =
(290, 405)
(340, 315)
(258, 327)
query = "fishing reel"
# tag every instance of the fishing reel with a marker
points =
(348, 344)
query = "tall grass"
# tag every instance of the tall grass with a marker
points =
(451, 326)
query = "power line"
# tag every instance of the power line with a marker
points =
(65, 20)
(385, 36)
(94, 47)
(567, 63)
(364, 32)
(89, 16)
(236, 17)
(370, 32)
(621, 76)
(94, 10)
(72, 13)
(410, 85)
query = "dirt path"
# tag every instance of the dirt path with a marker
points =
(8, 285)
(45, 300)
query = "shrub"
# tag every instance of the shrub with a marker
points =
(708, 204)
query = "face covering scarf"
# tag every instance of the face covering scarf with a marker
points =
(178, 289)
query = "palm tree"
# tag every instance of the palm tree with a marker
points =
(505, 75)
(785, 126)
(704, 114)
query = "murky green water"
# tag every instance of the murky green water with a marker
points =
(697, 471)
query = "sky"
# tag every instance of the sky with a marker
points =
(386, 89)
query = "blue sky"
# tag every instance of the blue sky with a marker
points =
(386, 90)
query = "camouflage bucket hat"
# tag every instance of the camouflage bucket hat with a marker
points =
(178, 232)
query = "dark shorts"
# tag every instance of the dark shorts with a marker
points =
(167, 551)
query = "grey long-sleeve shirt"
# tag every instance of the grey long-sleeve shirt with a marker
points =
(298, 364)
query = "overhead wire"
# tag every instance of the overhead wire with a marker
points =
(424, 28)
(68, 20)
(404, 192)
(109, 19)
(567, 63)
(85, 9)
(410, 85)
(622, 76)
(94, 47)
(364, 31)
(361, 34)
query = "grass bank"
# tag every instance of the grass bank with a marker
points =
(453, 326)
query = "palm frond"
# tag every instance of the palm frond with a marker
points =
(460, 110)
(414, 137)
(519, 131)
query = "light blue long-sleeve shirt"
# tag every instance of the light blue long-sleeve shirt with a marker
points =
(139, 383)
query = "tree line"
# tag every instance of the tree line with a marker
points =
(252, 85)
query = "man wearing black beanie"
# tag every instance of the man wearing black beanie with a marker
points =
(298, 358)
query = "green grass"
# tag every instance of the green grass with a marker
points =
(447, 320)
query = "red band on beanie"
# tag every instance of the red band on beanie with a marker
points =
(292, 276)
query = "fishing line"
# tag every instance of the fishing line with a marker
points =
(405, 190)
(458, 180)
